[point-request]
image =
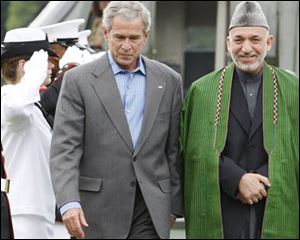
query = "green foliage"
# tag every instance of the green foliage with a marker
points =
(4, 7)
(21, 13)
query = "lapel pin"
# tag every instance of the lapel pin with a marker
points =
(160, 87)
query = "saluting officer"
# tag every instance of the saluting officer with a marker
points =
(25, 133)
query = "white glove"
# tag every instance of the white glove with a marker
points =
(35, 73)
(36, 68)
(72, 55)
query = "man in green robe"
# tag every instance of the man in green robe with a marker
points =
(240, 141)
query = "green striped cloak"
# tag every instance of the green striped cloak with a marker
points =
(202, 143)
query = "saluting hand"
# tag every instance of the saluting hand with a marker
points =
(36, 68)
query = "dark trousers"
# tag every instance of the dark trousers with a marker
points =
(142, 226)
(6, 224)
(251, 230)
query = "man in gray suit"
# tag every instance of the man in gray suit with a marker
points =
(114, 155)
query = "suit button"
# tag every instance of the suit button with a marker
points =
(133, 184)
(134, 159)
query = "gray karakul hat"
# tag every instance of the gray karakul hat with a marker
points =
(248, 14)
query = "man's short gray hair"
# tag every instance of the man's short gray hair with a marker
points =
(129, 10)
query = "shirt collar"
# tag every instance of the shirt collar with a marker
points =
(248, 78)
(116, 68)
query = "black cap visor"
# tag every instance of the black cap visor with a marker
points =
(14, 49)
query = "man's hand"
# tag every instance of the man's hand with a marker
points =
(73, 219)
(252, 188)
(172, 221)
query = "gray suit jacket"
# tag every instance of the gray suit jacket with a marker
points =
(92, 156)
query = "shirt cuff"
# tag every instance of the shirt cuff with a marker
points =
(173, 216)
(69, 206)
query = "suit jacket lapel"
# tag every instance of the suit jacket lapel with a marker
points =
(155, 89)
(257, 119)
(108, 93)
(239, 106)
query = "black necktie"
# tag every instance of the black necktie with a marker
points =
(46, 115)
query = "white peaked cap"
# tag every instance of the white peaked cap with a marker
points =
(63, 30)
(24, 35)
(83, 37)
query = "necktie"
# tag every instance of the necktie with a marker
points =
(46, 115)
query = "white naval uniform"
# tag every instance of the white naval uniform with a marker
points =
(26, 138)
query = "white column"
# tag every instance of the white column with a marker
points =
(221, 33)
(287, 37)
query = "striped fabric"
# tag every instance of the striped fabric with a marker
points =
(132, 88)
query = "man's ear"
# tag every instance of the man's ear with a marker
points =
(270, 42)
(105, 33)
(146, 35)
(228, 43)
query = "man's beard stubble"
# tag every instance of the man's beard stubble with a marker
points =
(251, 67)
